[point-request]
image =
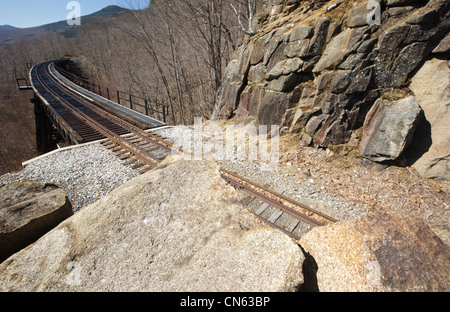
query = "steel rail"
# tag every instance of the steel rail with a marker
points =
(139, 153)
(94, 106)
(251, 188)
(53, 115)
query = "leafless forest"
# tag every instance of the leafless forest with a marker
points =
(174, 52)
(17, 130)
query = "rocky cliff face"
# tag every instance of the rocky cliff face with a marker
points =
(317, 70)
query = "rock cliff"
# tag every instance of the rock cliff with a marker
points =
(316, 68)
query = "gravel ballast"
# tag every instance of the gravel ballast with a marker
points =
(86, 173)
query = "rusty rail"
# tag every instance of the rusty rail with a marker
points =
(298, 211)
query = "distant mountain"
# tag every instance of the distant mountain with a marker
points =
(108, 12)
(7, 27)
(9, 34)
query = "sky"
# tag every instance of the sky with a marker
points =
(30, 13)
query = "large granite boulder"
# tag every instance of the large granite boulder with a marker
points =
(384, 251)
(389, 128)
(339, 48)
(431, 87)
(28, 210)
(179, 228)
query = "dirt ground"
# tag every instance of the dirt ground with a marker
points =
(343, 172)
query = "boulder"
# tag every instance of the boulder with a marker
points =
(383, 251)
(227, 100)
(284, 67)
(28, 210)
(359, 15)
(334, 130)
(340, 81)
(360, 80)
(235, 74)
(178, 228)
(272, 109)
(334, 52)
(256, 74)
(297, 48)
(271, 59)
(408, 59)
(389, 128)
(338, 48)
(283, 83)
(300, 33)
(443, 46)
(298, 43)
(319, 40)
(423, 17)
(314, 124)
(431, 87)
(390, 43)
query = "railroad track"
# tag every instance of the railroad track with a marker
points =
(275, 209)
(145, 150)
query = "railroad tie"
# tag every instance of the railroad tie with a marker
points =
(134, 140)
(111, 146)
(122, 152)
(292, 225)
(275, 216)
(138, 165)
(145, 169)
(262, 208)
(246, 201)
(125, 156)
(132, 160)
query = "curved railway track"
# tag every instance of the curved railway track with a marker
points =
(89, 120)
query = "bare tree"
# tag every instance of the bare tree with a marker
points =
(209, 20)
(145, 37)
(251, 8)
(189, 42)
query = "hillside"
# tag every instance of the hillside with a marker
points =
(17, 120)
(10, 34)
(4, 27)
